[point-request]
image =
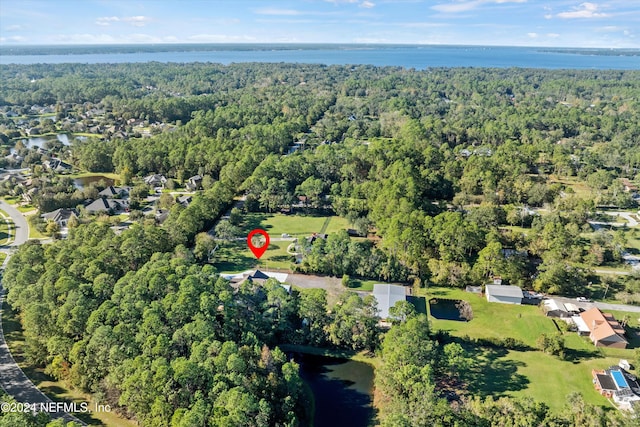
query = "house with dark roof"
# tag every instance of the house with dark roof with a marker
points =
(617, 384)
(185, 200)
(155, 180)
(194, 183)
(109, 206)
(60, 216)
(57, 165)
(605, 331)
(111, 191)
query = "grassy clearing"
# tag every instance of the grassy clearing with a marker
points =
(580, 188)
(56, 390)
(3, 256)
(110, 175)
(528, 373)
(236, 257)
(293, 225)
(363, 285)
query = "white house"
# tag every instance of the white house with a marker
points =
(504, 294)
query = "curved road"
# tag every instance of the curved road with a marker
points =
(12, 380)
(21, 228)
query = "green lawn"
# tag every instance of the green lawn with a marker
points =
(3, 256)
(236, 257)
(34, 233)
(294, 225)
(528, 373)
(5, 225)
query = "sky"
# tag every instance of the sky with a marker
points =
(554, 23)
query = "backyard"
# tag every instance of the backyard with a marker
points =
(526, 372)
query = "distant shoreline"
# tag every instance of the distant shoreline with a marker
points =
(20, 50)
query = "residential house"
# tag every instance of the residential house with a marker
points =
(555, 308)
(387, 296)
(111, 191)
(57, 165)
(106, 205)
(605, 331)
(503, 294)
(155, 180)
(618, 384)
(185, 200)
(60, 216)
(194, 183)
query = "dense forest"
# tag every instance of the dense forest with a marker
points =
(441, 168)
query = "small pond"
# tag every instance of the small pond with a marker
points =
(446, 309)
(41, 141)
(342, 390)
(84, 181)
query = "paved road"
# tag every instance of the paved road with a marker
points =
(600, 305)
(15, 383)
(12, 380)
(21, 228)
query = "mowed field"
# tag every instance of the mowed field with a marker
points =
(527, 373)
(236, 257)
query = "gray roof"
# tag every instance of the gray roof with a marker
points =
(114, 191)
(103, 204)
(504, 291)
(59, 215)
(387, 296)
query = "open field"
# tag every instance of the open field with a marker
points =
(294, 225)
(529, 372)
(236, 257)
(56, 390)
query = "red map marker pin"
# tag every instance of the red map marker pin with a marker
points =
(258, 251)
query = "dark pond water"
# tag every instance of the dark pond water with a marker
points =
(445, 309)
(86, 180)
(342, 389)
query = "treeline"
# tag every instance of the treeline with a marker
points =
(137, 321)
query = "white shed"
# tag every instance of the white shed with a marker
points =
(503, 294)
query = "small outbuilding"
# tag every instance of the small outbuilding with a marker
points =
(503, 294)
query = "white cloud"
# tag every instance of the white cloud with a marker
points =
(136, 21)
(532, 35)
(553, 35)
(107, 20)
(13, 39)
(14, 28)
(464, 6)
(367, 4)
(585, 10)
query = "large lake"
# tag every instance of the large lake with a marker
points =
(416, 56)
